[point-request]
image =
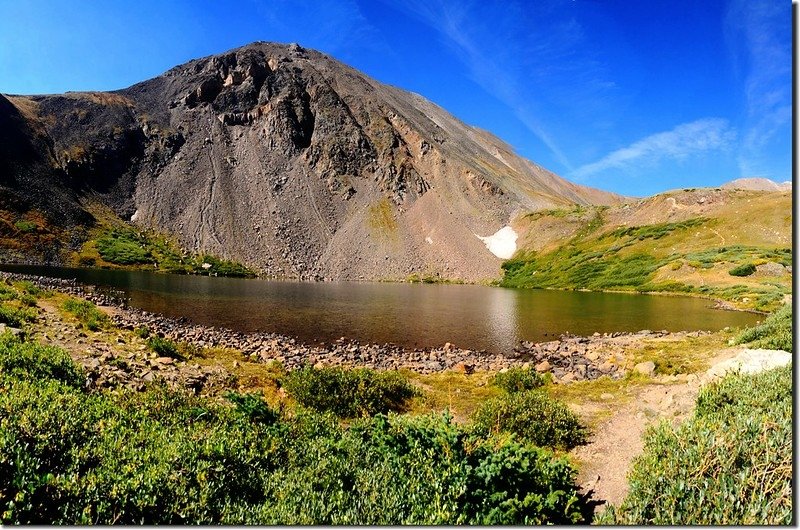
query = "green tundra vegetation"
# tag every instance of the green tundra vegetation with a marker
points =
(71, 455)
(775, 333)
(730, 464)
(161, 456)
(119, 244)
(650, 258)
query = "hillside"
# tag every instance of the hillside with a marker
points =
(274, 156)
(689, 241)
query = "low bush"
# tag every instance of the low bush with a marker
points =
(164, 347)
(533, 416)
(16, 317)
(86, 313)
(745, 269)
(27, 300)
(7, 292)
(253, 407)
(30, 288)
(775, 333)
(166, 457)
(730, 464)
(518, 380)
(349, 393)
(28, 360)
(26, 226)
(123, 247)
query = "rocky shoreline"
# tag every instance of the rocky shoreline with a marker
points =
(567, 359)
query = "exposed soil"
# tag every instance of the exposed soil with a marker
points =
(617, 441)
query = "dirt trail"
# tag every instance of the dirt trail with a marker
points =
(616, 441)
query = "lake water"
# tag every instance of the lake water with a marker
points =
(412, 315)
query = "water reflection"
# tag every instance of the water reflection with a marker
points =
(469, 316)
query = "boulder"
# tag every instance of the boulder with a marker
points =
(645, 368)
(543, 366)
(464, 368)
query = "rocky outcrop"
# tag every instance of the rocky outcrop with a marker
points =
(292, 163)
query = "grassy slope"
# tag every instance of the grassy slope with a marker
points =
(685, 241)
(111, 243)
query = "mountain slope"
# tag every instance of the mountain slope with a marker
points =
(733, 244)
(286, 160)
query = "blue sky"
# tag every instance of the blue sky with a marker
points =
(630, 96)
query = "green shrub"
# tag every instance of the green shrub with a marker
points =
(26, 226)
(142, 332)
(123, 247)
(253, 407)
(166, 457)
(27, 300)
(16, 317)
(518, 379)
(349, 393)
(7, 292)
(164, 347)
(28, 287)
(29, 360)
(745, 269)
(730, 464)
(775, 333)
(86, 313)
(221, 267)
(533, 416)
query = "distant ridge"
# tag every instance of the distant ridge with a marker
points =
(757, 184)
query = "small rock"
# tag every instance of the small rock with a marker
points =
(606, 367)
(165, 360)
(645, 368)
(464, 368)
(543, 366)
(605, 396)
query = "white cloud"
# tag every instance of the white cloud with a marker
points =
(527, 55)
(685, 140)
(754, 30)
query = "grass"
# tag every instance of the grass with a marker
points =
(730, 464)
(381, 221)
(647, 258)
(86, 313)
(26, 226)
(121, 245)
(459, 393)
(775, 333)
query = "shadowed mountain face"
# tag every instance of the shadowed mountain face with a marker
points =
(284, 159)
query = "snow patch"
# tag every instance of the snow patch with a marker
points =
(502, 243)
(135, 216)
(428, 240)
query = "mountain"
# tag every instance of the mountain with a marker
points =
(281, 158)
(757, 184)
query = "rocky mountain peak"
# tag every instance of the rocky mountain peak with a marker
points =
(298, 165)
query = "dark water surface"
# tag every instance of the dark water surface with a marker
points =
(412, 315)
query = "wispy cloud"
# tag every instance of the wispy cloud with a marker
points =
(519, 54)
(758, 31)
(683, 141)
(335, 27)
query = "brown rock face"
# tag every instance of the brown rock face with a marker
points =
(297, 165)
